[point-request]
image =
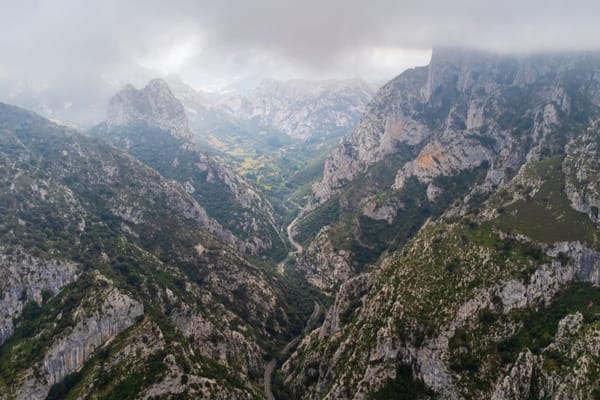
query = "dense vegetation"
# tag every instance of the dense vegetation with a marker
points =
(212, 186)
(47, 196)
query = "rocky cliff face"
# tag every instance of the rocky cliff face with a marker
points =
(466, 100)
(99, 319)
(580, 166)
(467, 111)
(154, 105)
(24, 278)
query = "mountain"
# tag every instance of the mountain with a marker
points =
(303, 109)
(151, 125)
(456, 129)
(277, 134)
(154, 105)
(448, 249)
(116, 281)
(457, 228)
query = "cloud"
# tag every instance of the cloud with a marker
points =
(81, 51)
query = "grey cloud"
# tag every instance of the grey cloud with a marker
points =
(81, 51)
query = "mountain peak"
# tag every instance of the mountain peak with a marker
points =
(159, 85)
(154, 105)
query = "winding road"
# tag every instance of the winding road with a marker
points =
(297, 246)
(290, 235)
(268, 378)
(270, 367)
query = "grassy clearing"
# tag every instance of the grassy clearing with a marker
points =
(547, 216)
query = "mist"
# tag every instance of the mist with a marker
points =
(65, 58)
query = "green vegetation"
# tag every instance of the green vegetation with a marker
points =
(300, 297)
(211, 185)
(60, 390)
(309, 226)
(479, 357)
(37, 328)
(134, 381)
(461, 260)
(539, 328)
(403, 387)
(283, 168)
(547, 216)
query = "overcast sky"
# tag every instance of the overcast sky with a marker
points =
(76, 50)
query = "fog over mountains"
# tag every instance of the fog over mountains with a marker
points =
(66, 55)
(300, 200)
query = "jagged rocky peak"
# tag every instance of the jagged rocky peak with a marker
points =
(154, 105)
(467, 102)
(301, 108)
(469, 116)
(464, 68)
(298, 89)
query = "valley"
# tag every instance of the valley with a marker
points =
(435, 238)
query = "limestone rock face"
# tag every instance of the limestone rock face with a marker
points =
(517, 385)
(385, 124)
(580, 166)
(453, 108)
(109, 313)
(154, 104)
(323, 266)
(386, 210)
(432, 126)
(24, 278)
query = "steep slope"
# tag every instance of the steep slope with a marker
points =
(500, 303)
(115, 281)
(452, 131)
(152, 126)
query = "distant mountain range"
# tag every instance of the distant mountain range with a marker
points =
(299, 108)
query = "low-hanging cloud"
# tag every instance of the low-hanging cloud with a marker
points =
(79, 51)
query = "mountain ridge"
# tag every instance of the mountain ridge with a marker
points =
(480, 167)
(158, 142)
(102, 251)
(468, 111)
